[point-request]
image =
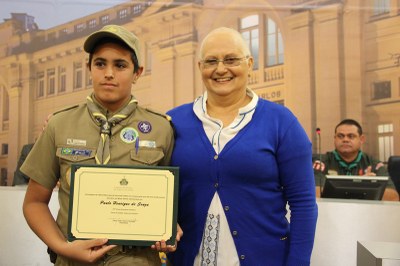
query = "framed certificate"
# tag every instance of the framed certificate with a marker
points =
(129, 205)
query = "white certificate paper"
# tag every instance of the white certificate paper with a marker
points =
(127, 205)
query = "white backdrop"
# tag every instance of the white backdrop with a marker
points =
(341, 223)
(19, 246)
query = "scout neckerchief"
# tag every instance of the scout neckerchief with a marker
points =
(103, 149)
(348, 167)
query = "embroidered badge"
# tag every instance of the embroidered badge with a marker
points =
(147, 143)
(76, 142)
(78, 152)
(129, 135)
(144, 126)
(66, 151)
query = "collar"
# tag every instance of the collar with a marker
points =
(104, 110)
(348, 166)
(200, 105)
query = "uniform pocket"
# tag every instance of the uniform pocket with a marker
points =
(69, 155)
(147, 156)
(75, 154)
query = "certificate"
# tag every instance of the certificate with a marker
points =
(129, 205)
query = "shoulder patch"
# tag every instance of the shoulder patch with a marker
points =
(66, 109)
(160, 114)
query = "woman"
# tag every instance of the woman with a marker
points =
(242, 159)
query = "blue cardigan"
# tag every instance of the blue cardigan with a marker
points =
(265, 166)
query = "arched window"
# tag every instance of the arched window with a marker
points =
(250, 32)
(274, 44)
(265, 35)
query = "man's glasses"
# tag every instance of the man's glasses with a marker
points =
(349, 136)
(228, 62)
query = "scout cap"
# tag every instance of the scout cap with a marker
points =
(117, 32)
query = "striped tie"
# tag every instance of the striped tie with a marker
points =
(103, 150)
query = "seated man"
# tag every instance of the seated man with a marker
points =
(19, 177)
(348, 159)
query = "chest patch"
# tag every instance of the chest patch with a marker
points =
(129, 135)
(144, 127)
(78, 152)
(76, 142)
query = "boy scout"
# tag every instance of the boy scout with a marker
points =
(110, 128)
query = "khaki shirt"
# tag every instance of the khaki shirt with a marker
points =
(72, 136)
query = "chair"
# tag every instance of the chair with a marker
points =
(394, 171)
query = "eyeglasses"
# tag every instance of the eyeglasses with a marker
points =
(228, 62)
(349, 136)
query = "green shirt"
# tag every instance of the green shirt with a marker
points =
(335, 165)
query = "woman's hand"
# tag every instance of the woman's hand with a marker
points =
(162, 245)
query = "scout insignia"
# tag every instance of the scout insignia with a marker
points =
(123, 182)
(144, 126)
(129, 135)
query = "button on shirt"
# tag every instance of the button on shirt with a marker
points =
(219, 136)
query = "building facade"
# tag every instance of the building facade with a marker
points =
(325, 60)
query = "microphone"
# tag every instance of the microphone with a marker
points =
(318, 130)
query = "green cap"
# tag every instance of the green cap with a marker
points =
(113, 31)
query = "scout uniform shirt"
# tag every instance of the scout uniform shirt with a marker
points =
(72, 136)
(334, 165)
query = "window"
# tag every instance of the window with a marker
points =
(80, 27)
(92, 23)
(249, 29)
(4, 149)
(104, 19)
(274, 44)
(137, 9)
(63, 32)
(385, 140)
(272, 52)
(62, 79)
(123, 13)
(77, 75)
(381, 7)
(51, 81)
(40, 85)
(381, 90)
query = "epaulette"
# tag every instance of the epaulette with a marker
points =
(165, 116)
(65, 109)
(160, 114)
